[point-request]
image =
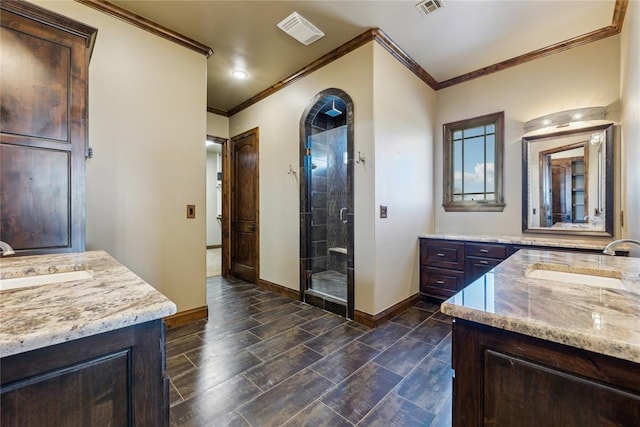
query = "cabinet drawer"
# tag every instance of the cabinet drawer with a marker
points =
(475, 267)
(440, 283)
(442, 253)
(486, 250)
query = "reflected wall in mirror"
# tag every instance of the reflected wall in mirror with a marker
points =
(568, 181)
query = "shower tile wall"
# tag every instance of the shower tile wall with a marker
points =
(318, 204)
(329, 185)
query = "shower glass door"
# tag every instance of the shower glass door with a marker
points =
(326, 203)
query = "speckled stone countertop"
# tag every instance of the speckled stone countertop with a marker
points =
(593, 316)
(39, 316)
(524, 240)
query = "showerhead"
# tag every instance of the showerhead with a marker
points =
(334, 111)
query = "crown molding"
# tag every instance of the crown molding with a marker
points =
(147, 25)
(371, 34)
(324, 60)
(217, 111)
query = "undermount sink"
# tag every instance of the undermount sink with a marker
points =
(44, 279)
(588, 277)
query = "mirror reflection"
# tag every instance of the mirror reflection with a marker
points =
(567, 184)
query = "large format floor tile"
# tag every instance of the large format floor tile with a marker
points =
(263, 360)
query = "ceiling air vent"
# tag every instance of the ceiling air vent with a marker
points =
(300, 29)
(429, 6)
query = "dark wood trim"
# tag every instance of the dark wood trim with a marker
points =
(147, 25)
(375, 320)
(226, 204)
(217, 111)
(384, 40)
(214, 246)
(619, 11)
(602, 33)
(339, 52)
(226, 209)
(217, 139)
(292, 294)
(404, 58)
(187, 316)
(45, 16)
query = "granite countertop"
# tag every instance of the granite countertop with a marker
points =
(524, 240)
(591, 317)
(39, 316)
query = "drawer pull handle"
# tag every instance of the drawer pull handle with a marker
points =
(484, 262)
(484, 251)
(440, 254)
(440, 282)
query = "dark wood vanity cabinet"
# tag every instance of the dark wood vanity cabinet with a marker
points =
(112, 379)
(43, 128)
(504, 378)
(447, 266)
(442, 264)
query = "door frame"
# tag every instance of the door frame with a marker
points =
(305, 212)
(226, 204)
(231, 189)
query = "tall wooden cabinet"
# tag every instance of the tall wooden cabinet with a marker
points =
(43, 128)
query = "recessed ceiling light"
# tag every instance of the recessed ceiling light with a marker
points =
(546, 122)
(577, 116)
(240, 74)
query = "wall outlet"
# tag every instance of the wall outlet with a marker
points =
(383, 211)
(191, 211)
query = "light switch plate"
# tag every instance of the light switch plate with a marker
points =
(191, 211)
(383, 211)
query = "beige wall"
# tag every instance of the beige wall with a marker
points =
(394, 116)
(585, 76)
(217, 125)
(278, 118)
(404, 116)
(630, 100)
(147, 126)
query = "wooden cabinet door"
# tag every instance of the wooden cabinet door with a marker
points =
(245, 206)
(43, 81)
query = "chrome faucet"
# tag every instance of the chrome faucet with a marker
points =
(6, 249)
(610, 248)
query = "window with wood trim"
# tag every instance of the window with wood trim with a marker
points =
(473, 173)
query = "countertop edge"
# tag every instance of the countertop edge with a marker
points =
(522, 240)
(617, 349)
(46, 338)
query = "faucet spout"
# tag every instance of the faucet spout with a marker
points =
(6, 249)
(610, 249)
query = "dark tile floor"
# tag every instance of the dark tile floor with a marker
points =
(264, 360)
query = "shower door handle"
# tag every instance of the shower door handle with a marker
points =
(342, 218)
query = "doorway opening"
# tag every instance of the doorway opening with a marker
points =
(326, 203)
(217, 183)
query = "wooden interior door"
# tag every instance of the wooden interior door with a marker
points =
(561, 190)
(245, 206)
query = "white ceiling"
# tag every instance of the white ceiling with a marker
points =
(463, 36)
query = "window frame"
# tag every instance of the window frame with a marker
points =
(496, 205)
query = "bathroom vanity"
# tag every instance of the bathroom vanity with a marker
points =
(450, 262)
(83, 346)
(548, 338)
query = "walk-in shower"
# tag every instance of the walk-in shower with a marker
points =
(326, 208)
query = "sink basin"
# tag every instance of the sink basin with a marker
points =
(44, 279)
(588, 277)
